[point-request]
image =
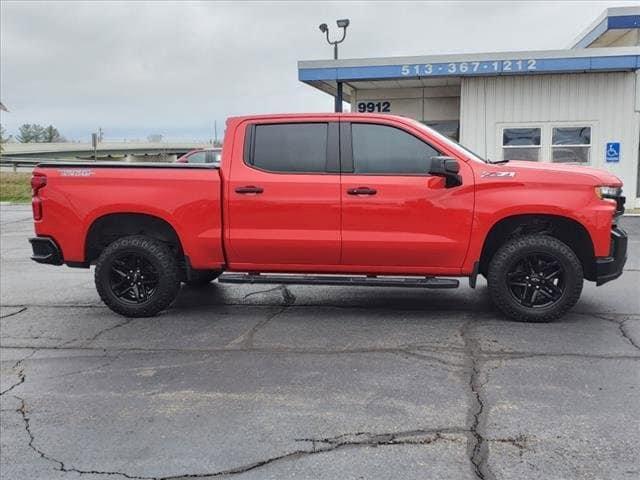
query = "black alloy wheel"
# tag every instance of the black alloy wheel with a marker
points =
(536, 280)
(137, 276)
(133, 278)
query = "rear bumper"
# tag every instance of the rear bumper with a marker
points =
(609, 268)
(45, 250)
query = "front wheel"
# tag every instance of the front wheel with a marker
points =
(137, 276)
(535, 278)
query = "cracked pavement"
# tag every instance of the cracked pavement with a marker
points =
(255, 382)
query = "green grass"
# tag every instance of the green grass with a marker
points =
(15, 187)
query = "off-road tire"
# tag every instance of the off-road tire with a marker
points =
(514, 249)
(199, 278)
(162, 259)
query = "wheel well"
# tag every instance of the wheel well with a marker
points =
(564, 229)
(109, 228)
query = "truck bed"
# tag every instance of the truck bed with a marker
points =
(185, 196)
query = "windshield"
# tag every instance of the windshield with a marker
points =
(455, 145)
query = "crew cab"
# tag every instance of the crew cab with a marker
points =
(334, 199)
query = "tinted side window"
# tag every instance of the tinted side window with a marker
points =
(293, 147)
(384, 149)
(198, 157)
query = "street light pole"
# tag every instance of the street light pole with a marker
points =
(344, 23)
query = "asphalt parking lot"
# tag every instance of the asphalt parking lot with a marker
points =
(312, 382)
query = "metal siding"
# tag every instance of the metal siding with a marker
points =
(606, 100)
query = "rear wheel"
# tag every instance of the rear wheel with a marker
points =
(137, 276)
(535, 278)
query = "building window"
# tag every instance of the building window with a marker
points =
(521, 144)
(570, 144)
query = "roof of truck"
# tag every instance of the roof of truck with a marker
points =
(276, 116)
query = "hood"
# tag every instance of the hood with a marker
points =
(559, 170)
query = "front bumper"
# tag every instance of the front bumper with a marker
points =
(609, 268)
(45, 250)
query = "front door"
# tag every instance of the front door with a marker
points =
(395, 216)
(284, 197)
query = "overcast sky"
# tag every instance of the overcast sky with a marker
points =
(175, 67)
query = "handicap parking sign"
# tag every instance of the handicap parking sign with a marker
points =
(612, 152)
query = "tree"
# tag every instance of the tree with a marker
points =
(25, 133)
(34, 133)
(52, 135)
(3, 138)
(154, 138)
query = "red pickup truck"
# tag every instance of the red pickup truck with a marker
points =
(334, 199)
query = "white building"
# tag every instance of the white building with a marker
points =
(579, 105)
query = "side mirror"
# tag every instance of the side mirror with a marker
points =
(448, 168)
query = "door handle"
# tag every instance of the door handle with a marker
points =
(362, 191)
(249, 189)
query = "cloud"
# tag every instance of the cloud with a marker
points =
(176, 67)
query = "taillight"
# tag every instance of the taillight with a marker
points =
(38, 180)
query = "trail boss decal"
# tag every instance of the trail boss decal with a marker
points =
(498, 174)
(75, 172)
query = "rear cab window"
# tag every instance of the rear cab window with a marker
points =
(292, 147)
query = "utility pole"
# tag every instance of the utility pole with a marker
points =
(94, 144)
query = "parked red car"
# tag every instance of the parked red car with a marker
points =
(336, 199)
(202, 155)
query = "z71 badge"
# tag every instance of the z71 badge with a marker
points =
(497, 174)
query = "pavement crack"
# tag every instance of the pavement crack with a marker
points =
(625, 334)
(261, 292)
(477, 447)
(411, 437)
(245, 340)
(59, 465)
(322, 445)
(90, 340)
(22, 309)
(288, 297)
(621, 323)
(519, 441)
(431, 359)
(22, 376)
(97, 368)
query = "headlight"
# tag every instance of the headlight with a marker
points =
(608, 192)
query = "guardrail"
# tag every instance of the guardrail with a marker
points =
(16, 162)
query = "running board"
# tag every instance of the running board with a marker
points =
(360, 281)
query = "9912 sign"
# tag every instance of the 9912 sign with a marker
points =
(371, 107)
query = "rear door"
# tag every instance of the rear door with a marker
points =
(395, 216)
(284, 196)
